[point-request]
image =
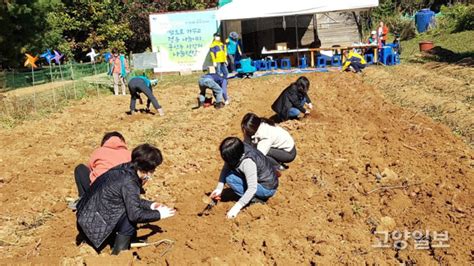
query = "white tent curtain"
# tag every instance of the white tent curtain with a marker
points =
(249, 9)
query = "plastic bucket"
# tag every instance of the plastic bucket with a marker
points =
(426, 46)
(424, 19)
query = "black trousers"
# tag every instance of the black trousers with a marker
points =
(81, 174)
(125, 227)
(278, 156)
(357, 66)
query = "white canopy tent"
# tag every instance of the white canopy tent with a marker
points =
(249, 9)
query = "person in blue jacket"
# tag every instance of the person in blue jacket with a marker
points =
(218, 85)
(233, 50)
(141, 84)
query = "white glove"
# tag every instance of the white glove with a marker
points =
(165, 212)
(214, 64)
(232, 213)
(218, 191)
(154, 206)
(310, 106)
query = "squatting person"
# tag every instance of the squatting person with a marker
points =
(248, 172)
(112, 207)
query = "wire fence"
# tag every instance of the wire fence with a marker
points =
(11, 80)
(16, 106)
(45, 90)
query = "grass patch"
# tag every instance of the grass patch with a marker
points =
(176, 79)
(461, 43)
(16, 109)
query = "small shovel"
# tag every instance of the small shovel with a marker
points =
(209, 207)
(169, 244)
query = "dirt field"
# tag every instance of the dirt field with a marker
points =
(329, 202)
(444, 92)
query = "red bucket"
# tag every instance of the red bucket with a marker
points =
(426, 46)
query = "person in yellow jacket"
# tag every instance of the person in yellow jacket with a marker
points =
(354, 62)
(219, 56)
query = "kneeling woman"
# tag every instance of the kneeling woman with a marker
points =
(113, 207)
(290, 104)
(272, 140)
(247, 172)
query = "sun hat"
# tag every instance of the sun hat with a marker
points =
(234, 35)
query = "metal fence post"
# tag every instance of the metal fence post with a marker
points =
(73, 82)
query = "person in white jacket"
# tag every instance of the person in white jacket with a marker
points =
(273, 141)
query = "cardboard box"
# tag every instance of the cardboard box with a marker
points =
(281, 46)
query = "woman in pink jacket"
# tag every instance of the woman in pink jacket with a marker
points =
(112, 152)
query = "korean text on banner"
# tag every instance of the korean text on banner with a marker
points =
(182, 39)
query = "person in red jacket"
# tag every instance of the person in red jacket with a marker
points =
(382, 33)
(112, 152)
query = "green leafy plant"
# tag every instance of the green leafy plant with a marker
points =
(455, 18)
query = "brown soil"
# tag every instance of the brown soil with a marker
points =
(444, 92)
(325, 211)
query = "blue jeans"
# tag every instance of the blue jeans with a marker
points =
(221, 69)
(224, 90)
(205, 83)
(295, 112)
(239, 186)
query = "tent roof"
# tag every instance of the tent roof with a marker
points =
(248, 9)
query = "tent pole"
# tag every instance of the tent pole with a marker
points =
(297, 46)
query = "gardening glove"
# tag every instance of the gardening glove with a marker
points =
(214, 64)
(310, 106)
(154, 206)
(218, 191)
(165, 212)
(307, 112)
(232, 213)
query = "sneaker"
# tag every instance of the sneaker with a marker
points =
(226, 102)
(199, 104)
(219, 105)
(161, 112)
(282, 167)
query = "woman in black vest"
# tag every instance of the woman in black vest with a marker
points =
(290, 104)
(248, 172)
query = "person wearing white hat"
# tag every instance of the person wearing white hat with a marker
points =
(373, 38)
(372, 41)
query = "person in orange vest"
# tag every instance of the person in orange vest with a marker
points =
(219, 56)
(382, 33)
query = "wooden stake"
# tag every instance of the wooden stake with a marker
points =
(34, 91)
